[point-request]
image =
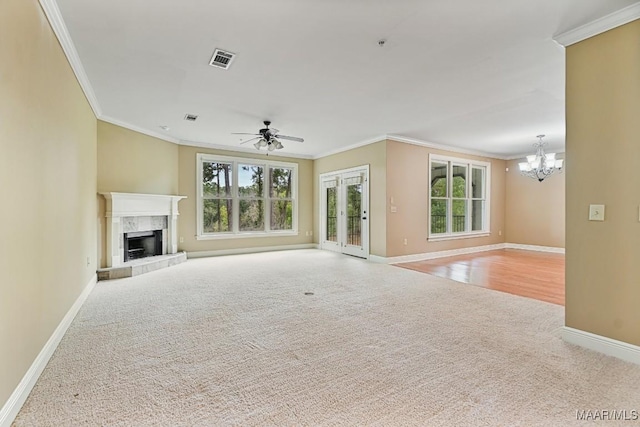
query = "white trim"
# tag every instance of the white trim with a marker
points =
(469, 164)
(457, 236)
(609, 346)
(241, 149)
(138, 129)
(435, 255)
(443, 147)
(412, 141)
(338, 245)
(235, 233)
(247, 235)
(474, 249)
(11, 408)
(120, 205)
(239, 251)
(350, 147)
(600, 25)
(536, 248)
(52, 12)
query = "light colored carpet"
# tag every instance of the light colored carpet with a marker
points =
(235, 341)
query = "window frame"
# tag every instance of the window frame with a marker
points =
(235, 232)
(470, 165)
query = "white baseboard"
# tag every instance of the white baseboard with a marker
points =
(535, 248)
(621, 350)
(463, 251)
(204, 254)
(11, 408)
(434, 255)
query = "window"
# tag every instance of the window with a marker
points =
(245, 197)
(458, 198)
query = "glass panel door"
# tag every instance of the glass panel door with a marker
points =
(343, 215)
(331, 226)
(329, 214)
(354, 213)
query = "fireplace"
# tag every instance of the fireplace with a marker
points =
(142, 244)
(140, 225)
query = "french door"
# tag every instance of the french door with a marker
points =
(344, 211)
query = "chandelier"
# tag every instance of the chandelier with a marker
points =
(541, 165)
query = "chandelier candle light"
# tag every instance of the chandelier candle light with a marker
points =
(541, 165)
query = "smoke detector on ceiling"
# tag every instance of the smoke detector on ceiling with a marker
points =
(190, 117)
(222, 59)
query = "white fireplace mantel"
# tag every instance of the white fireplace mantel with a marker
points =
(121, 205)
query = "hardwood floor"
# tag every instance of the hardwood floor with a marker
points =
(538, 275)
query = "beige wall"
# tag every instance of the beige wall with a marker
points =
(187, 219)
(48, 179)
(131, 162)
(408, 184)
(534, 210)
(603, 134)
(375, 156)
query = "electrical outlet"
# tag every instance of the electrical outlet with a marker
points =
(181, 239)
(405, 241)
(499, 232)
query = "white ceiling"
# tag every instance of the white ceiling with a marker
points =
(483, 75)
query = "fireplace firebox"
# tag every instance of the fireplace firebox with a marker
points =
(142, 244)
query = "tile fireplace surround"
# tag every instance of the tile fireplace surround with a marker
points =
(128, 212)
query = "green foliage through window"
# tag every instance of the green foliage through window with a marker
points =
(240, 196)
(460, 208)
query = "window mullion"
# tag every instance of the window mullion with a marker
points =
(449, 198)
(267, 199)
(469, 178)
(235, 196)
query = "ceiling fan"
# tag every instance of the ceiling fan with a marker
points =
(269, 138)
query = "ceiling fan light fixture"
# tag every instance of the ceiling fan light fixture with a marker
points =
(268, 137)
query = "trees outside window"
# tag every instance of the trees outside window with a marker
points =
(242, 197)
(458, 194)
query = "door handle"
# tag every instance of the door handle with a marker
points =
(364, 217)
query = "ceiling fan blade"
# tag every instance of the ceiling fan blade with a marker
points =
(250, 139)
(242, 133)
(290, 138)
(274, 130)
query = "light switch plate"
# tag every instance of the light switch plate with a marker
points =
(596, 212)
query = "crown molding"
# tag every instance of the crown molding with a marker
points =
(600, 25)
(52, 12)
(412, 141)
(138, 129)
(242, 150)
(350, 147)
(443, 147)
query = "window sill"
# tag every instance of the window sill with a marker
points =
(458, 236)
(231, 236)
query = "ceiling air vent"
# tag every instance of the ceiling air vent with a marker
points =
(190, 117)
(222, 59)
